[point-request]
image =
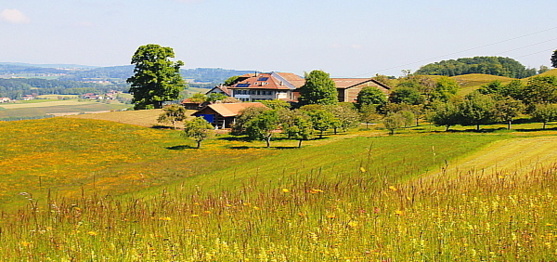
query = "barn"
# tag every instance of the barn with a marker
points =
(224, 115)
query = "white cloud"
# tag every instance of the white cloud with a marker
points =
(14, 16)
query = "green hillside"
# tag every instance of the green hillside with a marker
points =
(471, 82)
(91, 189)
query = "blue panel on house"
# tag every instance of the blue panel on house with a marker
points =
(263, 79)
(208, 118)
(242, 85)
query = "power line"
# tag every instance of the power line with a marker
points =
(473, 48)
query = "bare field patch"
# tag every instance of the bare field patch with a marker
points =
(47, 104)
(146, 118)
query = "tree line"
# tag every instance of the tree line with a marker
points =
(492, 65)
(16, 88)
(437, 102)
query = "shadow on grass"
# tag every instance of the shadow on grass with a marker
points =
(234, 138)
(163, 127)
(257, 147)
(181, 147)
(536, 129)
(241, 147)
(287, 147)
(471, 130)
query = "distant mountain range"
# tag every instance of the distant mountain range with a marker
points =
(199, 77)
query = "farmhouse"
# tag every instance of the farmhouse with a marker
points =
(349, 88)
(262, 86)
(224, 115)
(285, 86)
(220, 89)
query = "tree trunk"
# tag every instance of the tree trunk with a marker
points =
(478, 127)
(300, 143)
(447, 129)
(198, 144)
(544, 123)
(268, 141)
(321, 134)
(509, 125)
(335, 130)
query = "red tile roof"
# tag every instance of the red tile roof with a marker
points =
(232, 109)
(223, 88)
(268, 81)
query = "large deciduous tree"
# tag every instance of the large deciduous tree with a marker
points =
(319, 89)
(156, 78)
(554, 59)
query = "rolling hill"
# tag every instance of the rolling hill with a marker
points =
(471, 82)
(96, 189)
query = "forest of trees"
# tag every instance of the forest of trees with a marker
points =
(16, 88)
(492, 65)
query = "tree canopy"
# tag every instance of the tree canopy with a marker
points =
(492, 65)
(171, 114)
(156, 78)
(554, 59)
(198, 129)
(371, 95)
(318, 89)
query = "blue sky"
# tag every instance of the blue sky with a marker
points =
(351, 38)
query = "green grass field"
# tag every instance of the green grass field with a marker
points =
(470, 82)
(105, 191)
(41, 108)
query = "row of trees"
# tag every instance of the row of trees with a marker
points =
(299, 124)
(16, 88)
(259, 123)
(437, 102)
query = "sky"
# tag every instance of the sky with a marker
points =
(350, 38)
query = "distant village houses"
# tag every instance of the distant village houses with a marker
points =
(110, 95)
(5, 100)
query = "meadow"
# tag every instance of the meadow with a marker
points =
(92, 190)
(50, 107)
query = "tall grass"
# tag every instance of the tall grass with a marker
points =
(478, 217)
